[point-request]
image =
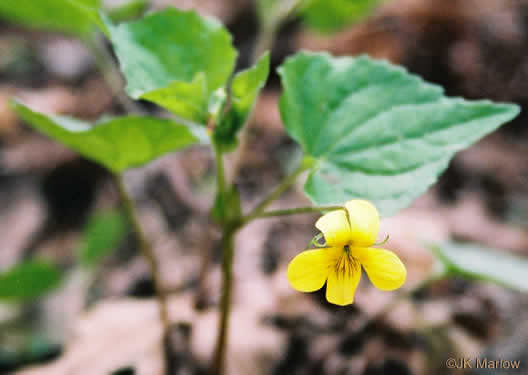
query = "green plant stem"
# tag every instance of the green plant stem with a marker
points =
(153, 264)
(227, 246)
(291, 211)
(230, 229)
(220, 171)
(276, 193)
(265, 38)
(106, 65)
(225, 303)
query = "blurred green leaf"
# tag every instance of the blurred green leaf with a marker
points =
(117, 143)
(29, 280)
(174, 58)
(480, 263)
(70, 16)
(333, 15)
(128, 11)
(244, 91)
(375, 131)
(102, 235)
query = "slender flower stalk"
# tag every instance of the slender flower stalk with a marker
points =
(275, 194)
(291, 211)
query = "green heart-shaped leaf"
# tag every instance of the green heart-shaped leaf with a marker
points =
(375, 131)
(117, 143)
(174, 58)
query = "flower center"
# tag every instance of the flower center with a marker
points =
(345, 264)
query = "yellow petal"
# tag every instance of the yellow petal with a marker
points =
(335, 228)
(364, 222)
(343, 280)
(308, 271)
(384, 269)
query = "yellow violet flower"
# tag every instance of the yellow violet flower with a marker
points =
(349, 235)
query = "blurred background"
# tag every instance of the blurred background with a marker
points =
(81, 299)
